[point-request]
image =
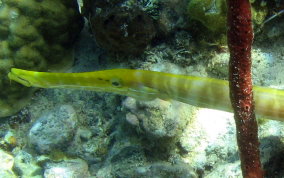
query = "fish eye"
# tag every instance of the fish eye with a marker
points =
(116, 82)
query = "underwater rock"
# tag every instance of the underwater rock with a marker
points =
(122, 30)
(262, 61)
(10, 139)
(54, 129)
(271, 149)
(276, 31)
(122, 161)
(211, 13)
(131, 161)
(75, 168)
(126, 152)
(133, 24)
(228, 169)
(160, 123)
(171, 16)
(6, 165)
(159, 118)
(218, 65)
(6, 173)
(35, 35)
(90, 144)
(164, 169)
(273, 30)
(132, 119)
(209, 140)
(26, 165)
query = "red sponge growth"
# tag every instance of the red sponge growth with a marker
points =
(240, 37)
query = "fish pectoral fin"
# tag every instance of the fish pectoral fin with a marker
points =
(157, 94)
(148, 94)
(144, 93)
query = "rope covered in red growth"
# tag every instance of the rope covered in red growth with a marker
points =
(240, 37)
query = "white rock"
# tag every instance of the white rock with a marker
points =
(76, 168)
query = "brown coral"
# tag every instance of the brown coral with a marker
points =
(35, 35)
(123, 30)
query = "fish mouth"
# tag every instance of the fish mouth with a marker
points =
(18, 76)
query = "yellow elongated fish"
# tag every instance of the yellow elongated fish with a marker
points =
(148, 85)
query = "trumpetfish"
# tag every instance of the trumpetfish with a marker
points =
(147, 85)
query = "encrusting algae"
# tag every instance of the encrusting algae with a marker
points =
(148, 85)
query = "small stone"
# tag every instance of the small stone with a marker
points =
(7, 161)
(6, 173)
(26, 165)
(6, 165)
(132, 119)
(10, 139)
(76, 168)
(163, 169)
(54, 129)
(162, 119)
(84, 133)
(130, 103)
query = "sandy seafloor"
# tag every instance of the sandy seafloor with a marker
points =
(88, 134)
